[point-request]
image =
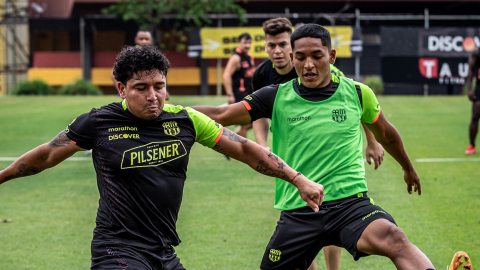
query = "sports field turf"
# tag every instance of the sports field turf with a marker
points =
(227, 216)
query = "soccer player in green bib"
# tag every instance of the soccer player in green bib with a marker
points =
(329, 109)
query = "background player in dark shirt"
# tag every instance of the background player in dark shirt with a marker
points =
(237, 77)
(474, 96)
(141, 149)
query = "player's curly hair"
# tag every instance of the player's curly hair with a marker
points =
(313, 31)
(135, 59)
(277, 26)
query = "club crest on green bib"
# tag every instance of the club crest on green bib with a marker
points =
(339, 115)
(171, 128)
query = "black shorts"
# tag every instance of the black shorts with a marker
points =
(302, 233)
(109, 254)
(477, 91)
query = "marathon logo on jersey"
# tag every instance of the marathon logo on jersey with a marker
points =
(153, 154)
(274, 255)
(301, 118)
(125, 128)
(171, 128)
(67, 129)
(339, 115)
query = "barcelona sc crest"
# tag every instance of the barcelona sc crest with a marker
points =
(339, 115)
(274, 255)
(171, 128)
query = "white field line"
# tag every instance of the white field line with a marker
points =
(446, 159)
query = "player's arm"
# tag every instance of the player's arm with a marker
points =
(260, 130)
(387, 135)
(233, 65)
(472, 62)
(374, 150)
(265, 162)
(233, 114)
(260, 126)
(40, 158)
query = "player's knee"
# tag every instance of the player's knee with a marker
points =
(397, 240)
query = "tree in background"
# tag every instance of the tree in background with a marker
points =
(147, 13)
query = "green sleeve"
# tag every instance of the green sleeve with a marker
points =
(207, 131)
(371, 108)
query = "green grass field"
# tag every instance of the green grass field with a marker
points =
(227, 216)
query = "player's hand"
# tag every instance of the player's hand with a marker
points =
(311, 192)
(376, 152)
(412, 180)
(472, 96)
(231, 99)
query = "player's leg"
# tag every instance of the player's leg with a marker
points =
(473, 127)
(313, 266)
(296, 241)
(332, 257)
(382, 237)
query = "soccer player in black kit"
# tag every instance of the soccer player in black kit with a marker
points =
(237, 77)
(141, 149)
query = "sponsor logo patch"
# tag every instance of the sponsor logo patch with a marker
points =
(153, 154)
(123, 136)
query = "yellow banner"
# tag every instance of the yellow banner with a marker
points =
(221, 42)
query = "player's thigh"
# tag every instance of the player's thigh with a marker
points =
(295, 242)
(358, 219)
(107, 255)
(382, 237)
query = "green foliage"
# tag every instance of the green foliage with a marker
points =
(34, 87)
(375, 83)
(148, 12)
(80, 87)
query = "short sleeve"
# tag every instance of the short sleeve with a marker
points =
(371, 107)
(260, 103)
(208, 132)
(81, 131)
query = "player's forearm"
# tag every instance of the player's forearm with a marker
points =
(369, 135)
(30, 163)
(227, 83)
(260, 129)
(393, 144)
(267, 163)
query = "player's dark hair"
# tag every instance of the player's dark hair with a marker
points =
(143, 30)
(245, 35)
(277, 26)
(133, 60)
(313, 31)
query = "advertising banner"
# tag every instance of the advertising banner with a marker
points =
(221, 42)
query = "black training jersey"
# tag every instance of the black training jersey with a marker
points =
(242, 78)
(266, 74)
(141, 168)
